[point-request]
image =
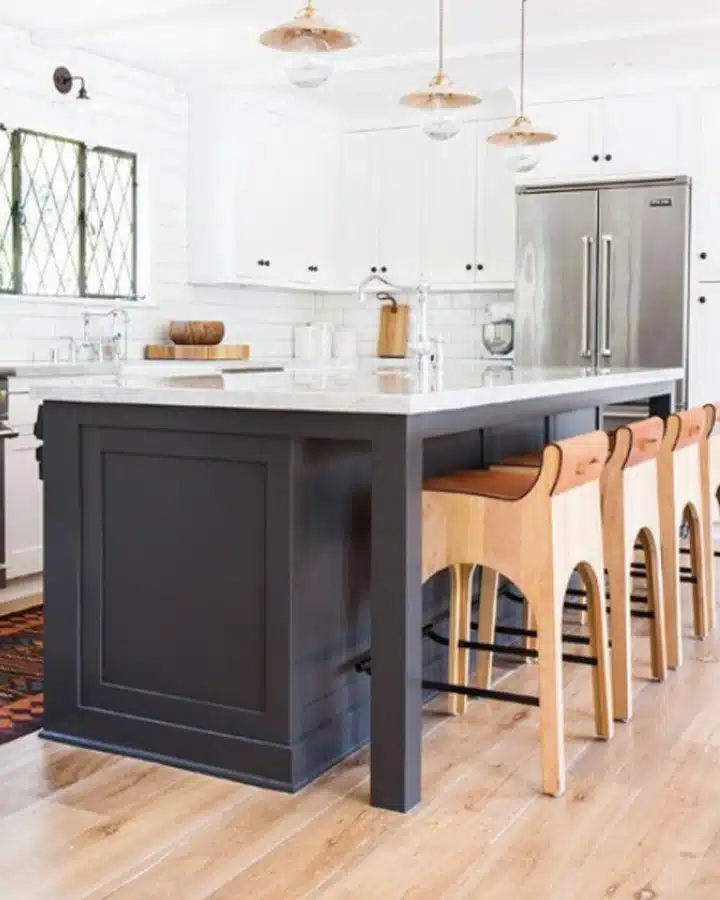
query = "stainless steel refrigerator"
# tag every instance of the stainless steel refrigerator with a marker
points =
(602, 275)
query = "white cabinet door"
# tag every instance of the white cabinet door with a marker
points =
(400, 216)
(23, 507)
(360, 190)
(577, 152)
(704, 345)
(706, 193)
(264, 172)
(449, 245)
(496, 212)
(642, 135)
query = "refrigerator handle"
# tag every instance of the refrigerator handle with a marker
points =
(586, 349)
(606, 263)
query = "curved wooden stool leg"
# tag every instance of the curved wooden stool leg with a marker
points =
(548, 617)
(700, 593)
(616, 557)
(529, 624)
(487, 621)
(671, 587)
(658, 645)
(460, 612)
(599, 649)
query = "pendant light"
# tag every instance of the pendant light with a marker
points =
(308, 39)
(521, 140)
(440, 100)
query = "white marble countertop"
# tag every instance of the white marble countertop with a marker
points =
(361, 389)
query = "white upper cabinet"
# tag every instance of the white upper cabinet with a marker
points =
(401, 188)
(704, 371)
(706, 193)
(577, 124)
(619, 137)
(260, 199)
(449, 245)
(496, 210)
(643, 135)
(360, 205)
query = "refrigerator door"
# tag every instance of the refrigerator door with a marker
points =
(556, 290)
(643, 275)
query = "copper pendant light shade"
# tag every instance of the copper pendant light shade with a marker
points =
(308, 24)
(440, 93)
(522, 133)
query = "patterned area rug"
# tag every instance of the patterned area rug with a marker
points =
(21, 673)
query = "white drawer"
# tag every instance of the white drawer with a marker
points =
(23, 410)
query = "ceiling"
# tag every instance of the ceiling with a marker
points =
(193, 41)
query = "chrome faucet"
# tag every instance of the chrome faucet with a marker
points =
(119, 337)
(423, 346)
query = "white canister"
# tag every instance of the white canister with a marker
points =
(304, 342)
(344, 344)
(324, 340)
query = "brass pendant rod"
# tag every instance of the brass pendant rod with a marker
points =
(441, 39)
(522, 56)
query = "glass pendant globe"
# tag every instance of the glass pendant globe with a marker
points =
(309, 64)
(522, 158)
(441, 123)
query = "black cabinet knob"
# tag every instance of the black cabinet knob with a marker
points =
(267, 262)
(703, 256)
(383, 269)
(480, 267)
(608, 157)
(469, 267)
(596, 158)
(702, 299)
(261, 262)
(374, 270)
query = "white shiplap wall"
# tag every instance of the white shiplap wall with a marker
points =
(138, 111)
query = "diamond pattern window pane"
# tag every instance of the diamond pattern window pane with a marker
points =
(110, 222)
(49, 215)
(6, 219)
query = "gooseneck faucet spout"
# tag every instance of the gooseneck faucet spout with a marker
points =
(423, 345)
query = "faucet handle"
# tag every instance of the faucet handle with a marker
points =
(438, 351)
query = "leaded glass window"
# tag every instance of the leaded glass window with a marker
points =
(68, 218)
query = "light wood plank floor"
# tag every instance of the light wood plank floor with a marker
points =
(641, 819)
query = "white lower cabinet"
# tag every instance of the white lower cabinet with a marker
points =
(704, 371)
(23, 506)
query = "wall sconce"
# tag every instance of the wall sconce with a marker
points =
(63, 81)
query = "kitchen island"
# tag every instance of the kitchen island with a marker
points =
(221, 549)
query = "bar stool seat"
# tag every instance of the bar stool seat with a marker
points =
(537, 529)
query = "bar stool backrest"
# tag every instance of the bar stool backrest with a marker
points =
(639, 442)
(686, 428)
(578, 460)
(713, 412)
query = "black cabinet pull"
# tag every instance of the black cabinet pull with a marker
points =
(260, 262)
(267, 262)
(374, 270)
(703, 255)
(469, 267)
(702, 299)
(608, 157)
(383, 269)
(596, 158)
(480, 267)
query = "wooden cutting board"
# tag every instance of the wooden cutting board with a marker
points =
(196, 351)
(394, 331)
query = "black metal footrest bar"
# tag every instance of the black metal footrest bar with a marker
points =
(638, 570)
(686, 552)
(486, 693)
(525, 633)
(523, 652)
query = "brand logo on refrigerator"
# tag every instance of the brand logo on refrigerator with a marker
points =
(661, 201)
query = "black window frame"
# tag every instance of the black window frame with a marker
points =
(15, 213)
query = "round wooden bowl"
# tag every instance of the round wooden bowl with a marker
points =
(207, 334)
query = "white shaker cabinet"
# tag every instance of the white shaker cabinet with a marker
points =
(643, 135)
(360, 205)
(496, 210)
(706, 194)
(449, 217)
(704, 371)
(577, 152)
(23, 492)
(400, 215)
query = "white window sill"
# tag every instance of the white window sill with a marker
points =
(81, 302)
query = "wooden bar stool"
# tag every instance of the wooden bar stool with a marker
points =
(710, 450)
(630, 510)
(683, 495)
(536, 528)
